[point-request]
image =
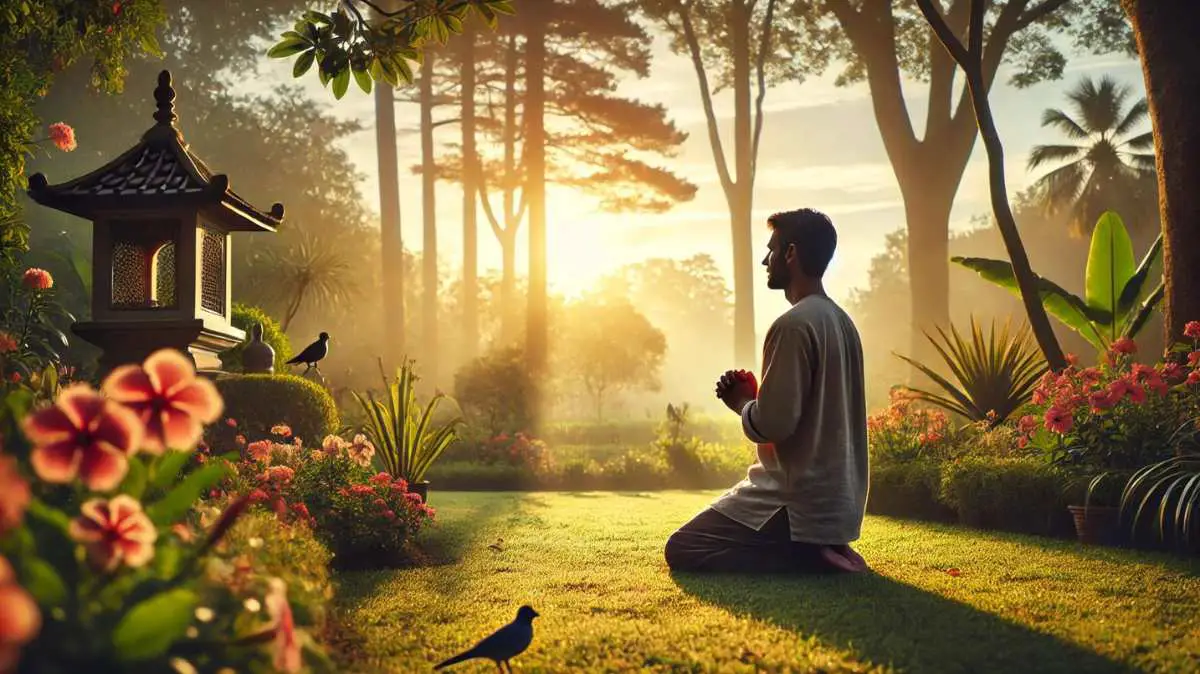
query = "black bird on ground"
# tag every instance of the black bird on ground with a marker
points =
(502, 645)
(313, 353)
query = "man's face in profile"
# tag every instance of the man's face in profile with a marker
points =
(778, 274)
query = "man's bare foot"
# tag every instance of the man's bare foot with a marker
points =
(837, 557)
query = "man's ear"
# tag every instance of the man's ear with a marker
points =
(790, 253)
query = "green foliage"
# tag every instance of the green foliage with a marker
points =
(245, 317)
(34, 320)
(493, 391)
(408, 444)
(260, 401)
(908, 489)
(1018, 495)
(1116, 305)
(344, 44)
(995, 375)
(1164, 497)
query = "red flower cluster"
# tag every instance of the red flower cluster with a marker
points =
(515, 450)
(37, 279)
(904, 431)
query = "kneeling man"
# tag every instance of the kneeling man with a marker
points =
(802, 503)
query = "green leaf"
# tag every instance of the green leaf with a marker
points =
(1065, 306)
(44, 583)
(1109, 267)
(376, 69)
(1137, 320)
(135, 480)
(341, 82)
(168, 469)
(149, 628)
(304, 63)
(51, 516)
(1137, 283)
(363, 78)
(288, 47)
(176, 503)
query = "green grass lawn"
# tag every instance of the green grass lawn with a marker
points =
(591, 564)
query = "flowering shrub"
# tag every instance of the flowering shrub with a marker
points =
(1119, 415)
(100, 566)
(326, 488)
(904, 432)
(32, 324)
(517, 449)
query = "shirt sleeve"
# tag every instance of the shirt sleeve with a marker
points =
(787, 371)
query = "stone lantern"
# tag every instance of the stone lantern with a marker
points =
(160, 247)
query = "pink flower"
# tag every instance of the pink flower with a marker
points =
(259, 450)
(171, 400)
(8, 343)
(282, 430)
(183, 532)
(1027, 423)
(14, 494)
(286, 657)
(1173, 372)
(114, 532)
(280, 473)
(380, 478)
(1059, 420)
(389, 514)
(1101, 400)
(1119, 389)
(1193, 377)
(20, 619)
(258, 496)
(84, 435)
(1192, 330)
(232, 423)
(361, 451)
(333, 444)
(37, 279)
(63, 136)
(362, 489)
(301, 510)
(1194, 359)
(1124, 345)
(1137, 394)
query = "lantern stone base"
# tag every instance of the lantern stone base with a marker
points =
(126, 342)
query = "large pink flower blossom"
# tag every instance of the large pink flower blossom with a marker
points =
(20, 619)
(83, 435)
(172, 401)
(1192, 330)
(115, 532)
(37, 279)
(8, 343)
(1059, 420)
(361, 451)
(14, 494)
(1124, 345)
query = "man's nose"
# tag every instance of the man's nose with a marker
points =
(765, 259)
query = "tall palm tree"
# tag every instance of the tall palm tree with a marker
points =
(1108, 169)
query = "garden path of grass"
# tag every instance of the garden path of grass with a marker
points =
(591, 564)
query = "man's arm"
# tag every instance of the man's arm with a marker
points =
(787, 373)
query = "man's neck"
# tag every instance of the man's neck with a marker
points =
(804, 288)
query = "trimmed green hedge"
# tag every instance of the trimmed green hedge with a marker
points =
(908, 490)
(259, 401)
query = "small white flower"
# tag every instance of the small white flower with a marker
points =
(205, 614)
(255, 542)
(252, 605)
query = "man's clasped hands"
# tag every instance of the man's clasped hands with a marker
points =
(735, 388)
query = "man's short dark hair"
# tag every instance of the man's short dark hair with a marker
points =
(812, 233)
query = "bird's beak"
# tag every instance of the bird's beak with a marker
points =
(536, 614)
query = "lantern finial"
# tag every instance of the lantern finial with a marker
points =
(164, 96)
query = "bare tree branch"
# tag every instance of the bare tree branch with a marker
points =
(1038, 12)
(939, 26)
(714, 134)
(764, 47)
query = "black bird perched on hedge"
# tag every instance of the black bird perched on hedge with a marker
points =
(502, 645)
(313, 353)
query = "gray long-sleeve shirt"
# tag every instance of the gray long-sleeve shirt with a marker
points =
(810, 423)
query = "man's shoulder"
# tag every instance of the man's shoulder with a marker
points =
(809, 312)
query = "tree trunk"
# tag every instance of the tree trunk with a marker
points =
(741, 201)
(927, 212)
(1165, 31)
(429, 265)
(470, 279)
(508, 288)
(536, 329)
(391, 243)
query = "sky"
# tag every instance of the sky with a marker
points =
(820, 148)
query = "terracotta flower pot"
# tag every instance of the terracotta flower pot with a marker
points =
(1097, 525)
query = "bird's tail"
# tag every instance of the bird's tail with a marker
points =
(465, 655)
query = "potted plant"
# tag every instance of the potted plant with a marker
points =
(1097, 521)
(403, 432)
(1166, 495)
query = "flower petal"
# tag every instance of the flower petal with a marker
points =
(20, 618)
(181, 430)
(129, 384)
(103, 469)
(170, 371)
(120, 427)
(80, 403)
(57, 462)
(136, 553)
(49, 425)
(199, 399)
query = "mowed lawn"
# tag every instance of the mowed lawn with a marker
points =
(591, 564)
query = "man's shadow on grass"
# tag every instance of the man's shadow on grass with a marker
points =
(884, 622)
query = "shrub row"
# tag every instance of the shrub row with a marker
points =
(1017, 495)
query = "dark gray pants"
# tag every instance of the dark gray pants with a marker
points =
(712, 542)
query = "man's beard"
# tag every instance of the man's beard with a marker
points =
(778, 279)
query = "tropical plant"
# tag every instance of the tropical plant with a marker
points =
(1168, 494)
(32, 323)
(995, 375)
(401, 430)
(1107, 164)
(309, 271)
(1115, 302)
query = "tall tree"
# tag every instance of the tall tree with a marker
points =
(1109, 169)
(1165, 31)
(391, 242)
(731, 41)
(429, 266)
(881, 41)
(537, 329)
(470, 196)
